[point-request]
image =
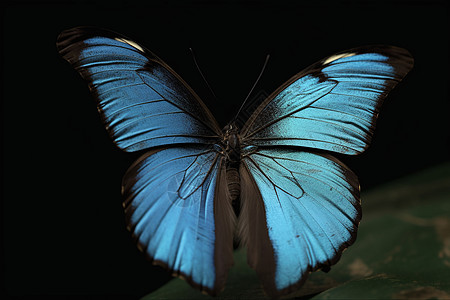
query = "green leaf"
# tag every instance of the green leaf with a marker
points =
(402, 250)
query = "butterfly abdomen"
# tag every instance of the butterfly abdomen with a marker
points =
(234, 184)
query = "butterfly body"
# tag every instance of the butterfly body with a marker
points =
(274, 182)
(232, 152)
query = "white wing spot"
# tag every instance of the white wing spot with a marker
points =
(131, 43)
(337, 56)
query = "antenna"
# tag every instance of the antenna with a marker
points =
(200, 71)
(253, 87)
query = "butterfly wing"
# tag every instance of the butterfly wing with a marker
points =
(301, 209)
(333, 104)
(142, 101)
(177, 203)
(172, 202)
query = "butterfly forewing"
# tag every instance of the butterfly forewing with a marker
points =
(332, 105)
(142, 101)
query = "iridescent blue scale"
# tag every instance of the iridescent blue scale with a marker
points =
(300, 206)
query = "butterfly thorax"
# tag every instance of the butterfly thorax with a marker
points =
(232, 145)
(232, 152)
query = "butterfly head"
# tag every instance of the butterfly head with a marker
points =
(231, 128)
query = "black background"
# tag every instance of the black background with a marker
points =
(63, 225)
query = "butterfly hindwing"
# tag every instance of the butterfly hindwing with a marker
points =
(332, 105)
(302, 209)
(171, 197)
(142, 101)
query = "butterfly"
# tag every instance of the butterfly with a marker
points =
(299, 205)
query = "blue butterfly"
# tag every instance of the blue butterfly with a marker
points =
(299, 205)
